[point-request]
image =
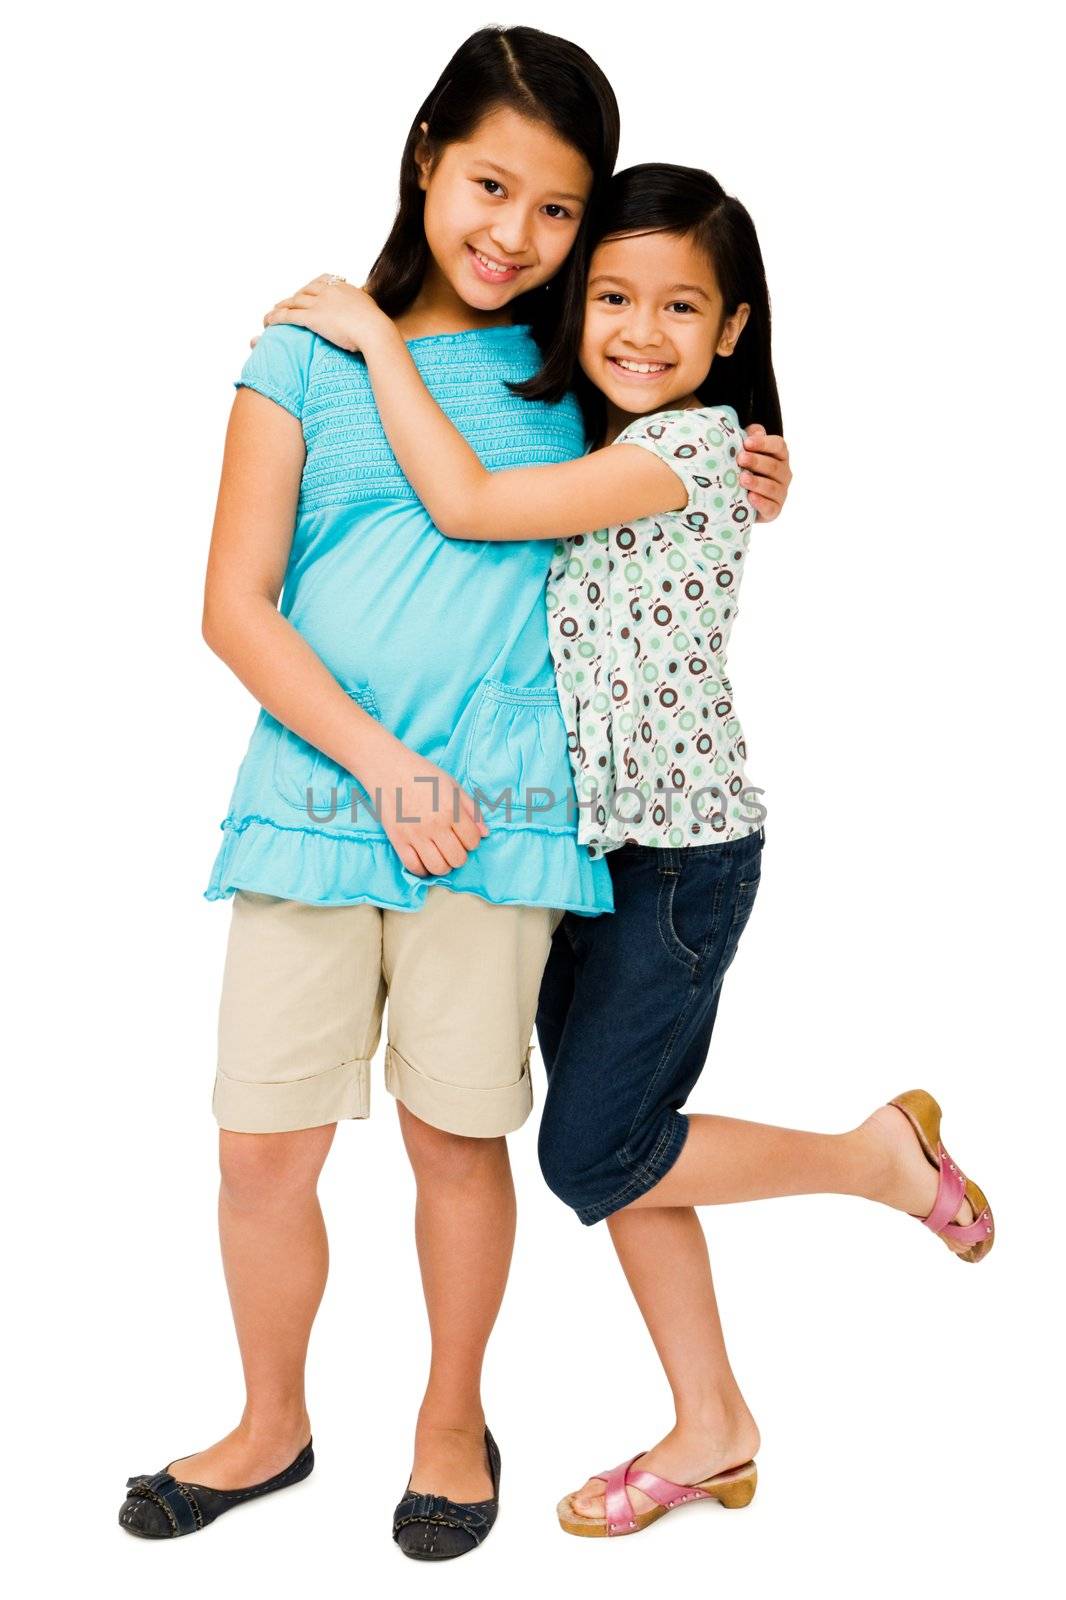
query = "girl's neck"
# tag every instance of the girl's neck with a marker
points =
(437, 308)
(617, 419)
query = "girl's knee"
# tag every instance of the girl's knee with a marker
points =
(438, 1156)
(594, 1170)
(272, 1168)
(565, 1164)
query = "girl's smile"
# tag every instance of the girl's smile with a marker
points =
(628, 368)
(492, 270)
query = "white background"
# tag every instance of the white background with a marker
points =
(175, 172)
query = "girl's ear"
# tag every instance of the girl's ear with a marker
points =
(423, 159)
(731, 332)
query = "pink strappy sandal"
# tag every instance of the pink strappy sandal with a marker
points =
(923, 1114)
(734, 1489)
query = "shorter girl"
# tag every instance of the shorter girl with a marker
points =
(676, 312)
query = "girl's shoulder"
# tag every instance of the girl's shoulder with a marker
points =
(279, 365)
(701, 446)
(315, 380)
(681, 429)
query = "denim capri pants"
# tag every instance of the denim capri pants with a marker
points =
(626, 1012)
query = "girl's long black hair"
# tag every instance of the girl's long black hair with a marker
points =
(653, 198)
(542, 77)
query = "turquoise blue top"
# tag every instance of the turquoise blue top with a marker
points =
(444, 640)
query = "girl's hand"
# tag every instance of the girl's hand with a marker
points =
(340, 312)
(431, 821)
(768, 473)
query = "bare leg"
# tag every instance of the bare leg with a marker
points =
(664, 1257)
(464, 1230)
(724, 1160)
(276, 1257)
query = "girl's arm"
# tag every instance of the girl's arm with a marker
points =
(465, 500)
(250, 545)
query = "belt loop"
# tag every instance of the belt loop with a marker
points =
(669, 862)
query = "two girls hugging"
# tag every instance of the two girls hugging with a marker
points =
(504, 496)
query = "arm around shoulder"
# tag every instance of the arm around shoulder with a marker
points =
(467, 501)
(617, 484)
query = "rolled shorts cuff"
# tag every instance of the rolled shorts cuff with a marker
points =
(480, 1113)
(646, 1174)
(343, 1091)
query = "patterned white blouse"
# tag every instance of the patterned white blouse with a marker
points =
(639, 618)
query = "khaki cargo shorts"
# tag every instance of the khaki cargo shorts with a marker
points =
(304, 991)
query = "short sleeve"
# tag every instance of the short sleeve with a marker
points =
(701, 447)
(279, 366)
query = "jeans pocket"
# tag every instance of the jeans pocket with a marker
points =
(705, 900)
(743, 901)
(686, 929)
(310, 782)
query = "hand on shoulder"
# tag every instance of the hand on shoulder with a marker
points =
(337, 311)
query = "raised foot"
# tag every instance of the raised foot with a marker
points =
(907, 1179)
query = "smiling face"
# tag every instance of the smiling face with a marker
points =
(502, 209)
(654, 322)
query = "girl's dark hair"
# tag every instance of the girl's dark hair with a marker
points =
(652, 198)
(541, 77)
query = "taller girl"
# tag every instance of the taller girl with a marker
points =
(418, 667)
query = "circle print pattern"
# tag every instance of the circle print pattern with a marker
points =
(647, 607)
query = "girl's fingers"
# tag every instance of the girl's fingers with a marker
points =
(757, 470)
(468, 830)
(767, 509)
(757, 438)
(434, 861)
(470, 810)
(764, 483)
(771, 448)
(766, 473)
(767, 497)
(410, 858)
(282, 311)
(302, 297)
(452, 849)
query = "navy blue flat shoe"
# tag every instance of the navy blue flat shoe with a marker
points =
(161, 1507)
(429, 1527)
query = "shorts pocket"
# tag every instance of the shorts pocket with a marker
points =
(514, 761)
(747, 889)
(309, 782)
(703, 909)
(671, 884)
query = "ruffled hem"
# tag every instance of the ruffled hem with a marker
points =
(520, 867)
